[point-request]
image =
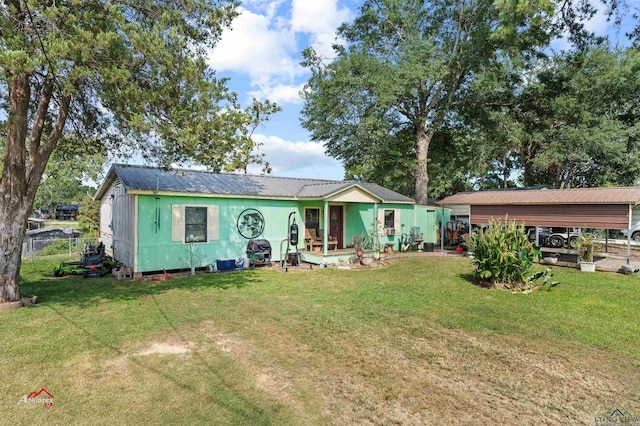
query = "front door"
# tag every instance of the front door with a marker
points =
(336, 217)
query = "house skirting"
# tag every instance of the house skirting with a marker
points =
(332, 256)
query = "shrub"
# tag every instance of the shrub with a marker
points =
(89, 214)
(502, 253)
(58, 247)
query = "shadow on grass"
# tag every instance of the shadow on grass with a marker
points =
(226, 396)
(470, 277)
(86, 292)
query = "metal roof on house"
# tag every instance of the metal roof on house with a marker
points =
(616, 195)
(144, 178)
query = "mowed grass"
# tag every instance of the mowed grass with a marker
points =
(413, 342)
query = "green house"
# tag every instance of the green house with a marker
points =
(153, 219)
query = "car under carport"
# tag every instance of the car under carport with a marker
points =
(596, 208)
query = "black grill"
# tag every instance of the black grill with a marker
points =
(259, 252)
(258, 246)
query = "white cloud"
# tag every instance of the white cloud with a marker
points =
(266, 40)
(265, 44)
(320, 19)
(280, 93)
(253, 47)
(598, 24)
(268, 7)
(297, 159)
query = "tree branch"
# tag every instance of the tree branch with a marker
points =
(41, 114)
(14, 149)
(39, 160)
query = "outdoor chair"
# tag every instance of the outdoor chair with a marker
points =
(312, 240)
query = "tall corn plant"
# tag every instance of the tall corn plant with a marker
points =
(502, 253)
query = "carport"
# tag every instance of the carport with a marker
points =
(600, 208)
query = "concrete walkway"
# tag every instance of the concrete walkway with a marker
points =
(613, 263)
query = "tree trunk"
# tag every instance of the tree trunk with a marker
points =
(13, 188)
(19, 182)
(12, 230)
(423, 139)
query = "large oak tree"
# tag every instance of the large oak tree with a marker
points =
(424, 84)
(126, 74)
(579, 117)
(405, 66)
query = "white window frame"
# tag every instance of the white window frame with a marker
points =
(178, 223)
(383, 229)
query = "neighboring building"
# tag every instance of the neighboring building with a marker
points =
(68, 212)
(37, 239)
(35, 223)
(149, 216)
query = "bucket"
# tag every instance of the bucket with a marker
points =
(429, 247)
(293, 259)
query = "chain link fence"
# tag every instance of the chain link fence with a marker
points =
(35, 247)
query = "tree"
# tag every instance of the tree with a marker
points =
(574, 121)
(405, 66)
(128, 75)
(71, 163)
(89, 214)
(55, 191)
(434, 70)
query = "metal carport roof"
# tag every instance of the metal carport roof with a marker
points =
(608, 208)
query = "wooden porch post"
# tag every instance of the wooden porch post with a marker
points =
(376, 226)
(325, 232)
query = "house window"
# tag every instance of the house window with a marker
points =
(195, 224)
(389, 218)
(312, 218)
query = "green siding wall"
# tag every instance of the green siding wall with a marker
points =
(358, 219)
(426, 220)
(156, 251)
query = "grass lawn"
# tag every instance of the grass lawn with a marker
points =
(411, 343)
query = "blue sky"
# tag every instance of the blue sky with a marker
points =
(260, 54)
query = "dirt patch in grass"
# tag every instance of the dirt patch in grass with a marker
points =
(414, 372)
(164, 348)
(452, 377)
(268, 377)
(431, 375)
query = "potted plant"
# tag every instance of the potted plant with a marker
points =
(358, 242)
(585, 246)
(367, 259)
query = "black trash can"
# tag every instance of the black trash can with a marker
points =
(293, 259)
(429, 247)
